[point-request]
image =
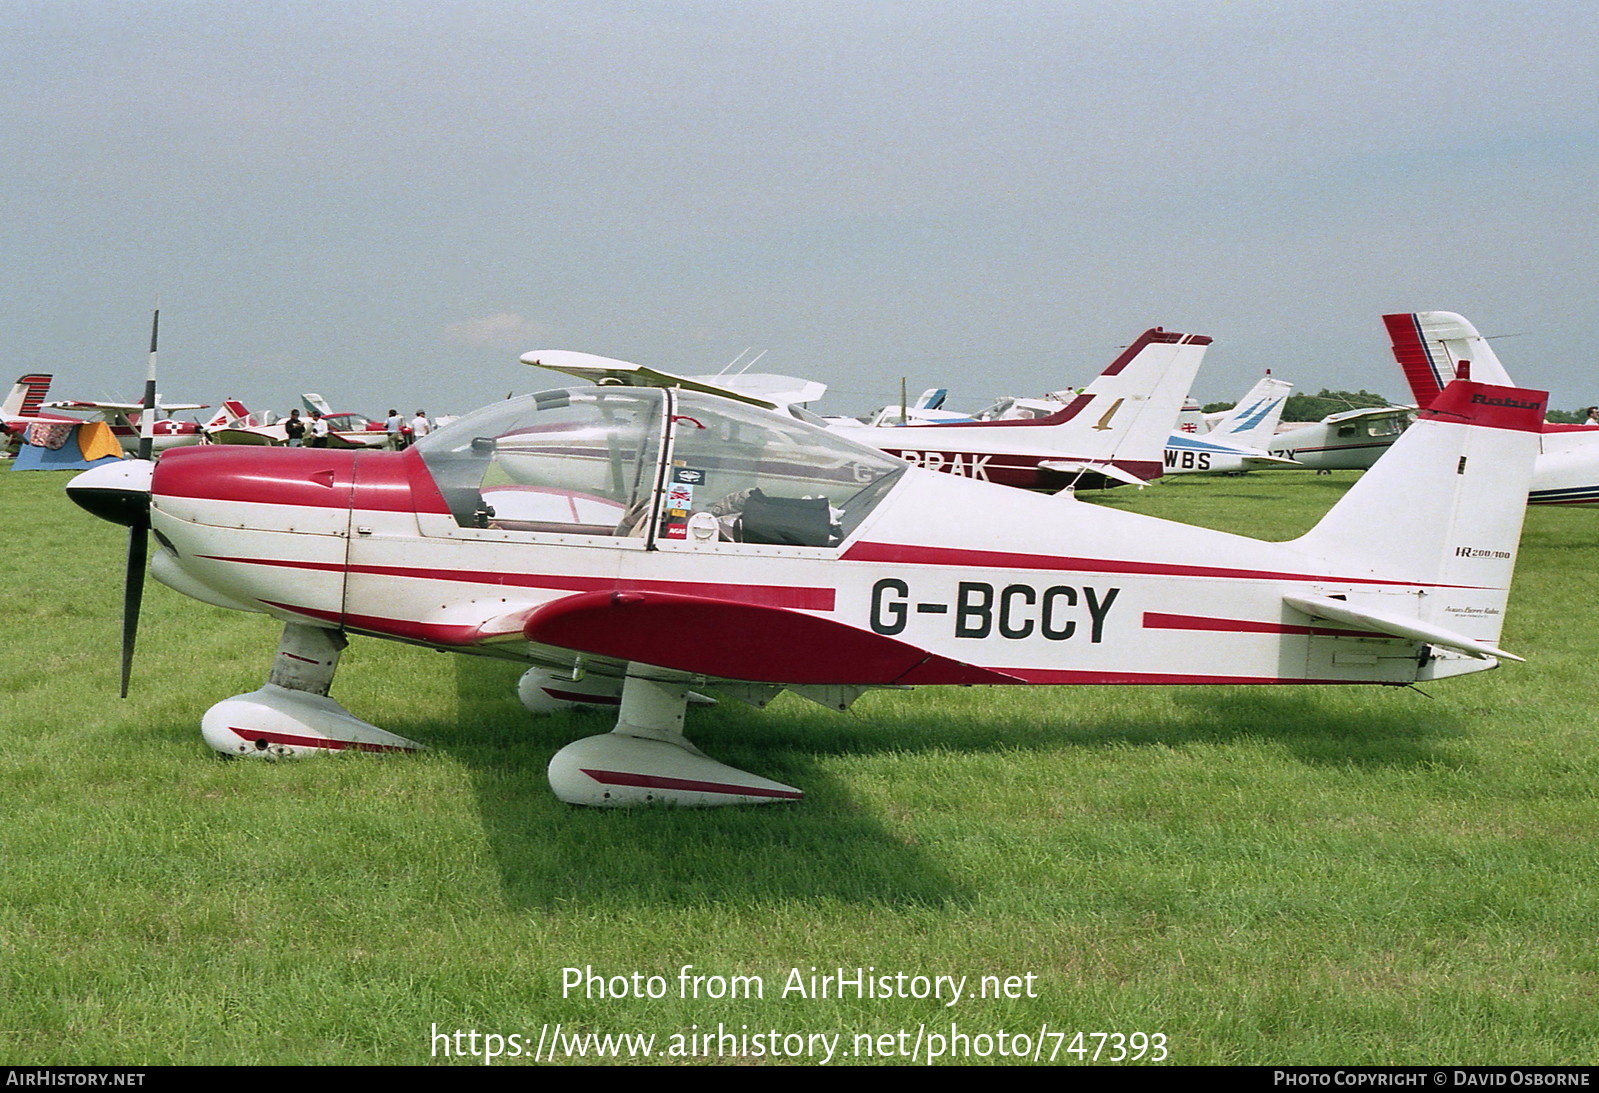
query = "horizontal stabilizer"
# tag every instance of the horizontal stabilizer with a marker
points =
(1108, 470)
(1400, 626)
(742, 641)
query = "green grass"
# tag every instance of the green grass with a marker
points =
(1359, 875)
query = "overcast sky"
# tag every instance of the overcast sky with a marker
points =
(388, 203)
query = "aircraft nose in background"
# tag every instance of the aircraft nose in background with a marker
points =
(118, 492)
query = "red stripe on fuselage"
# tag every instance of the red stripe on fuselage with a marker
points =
(1059, 417)
(1155, 620)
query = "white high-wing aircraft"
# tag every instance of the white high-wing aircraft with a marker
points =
(1112, 432)
(634, 545)
(1433, 347)
(124, 419)
(1349, 441)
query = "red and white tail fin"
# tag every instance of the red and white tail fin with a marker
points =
(233, 412)
(1125, 415)
(1133, 403)
(1442, 509)
(27, 396)
(1434, 347)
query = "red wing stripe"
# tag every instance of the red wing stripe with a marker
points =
(800, 599)
(993, 559)
(1155, 620)
(651, 781)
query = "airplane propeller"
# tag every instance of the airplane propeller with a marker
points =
(120, 493)
(139, 528)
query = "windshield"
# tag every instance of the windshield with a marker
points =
(768, 479)
(588, 461)
(578, 461)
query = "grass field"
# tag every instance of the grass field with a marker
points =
(1274, 875)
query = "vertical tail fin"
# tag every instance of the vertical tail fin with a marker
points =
(233, 412)
(1253, 422)
(1442, 509)
(1126, 414)
(1431, 346)
(27, 396)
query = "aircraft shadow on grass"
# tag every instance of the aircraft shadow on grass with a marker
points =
(830, 848)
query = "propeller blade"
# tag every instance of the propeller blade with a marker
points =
(147, 415)
(133, 592)
(139, 528)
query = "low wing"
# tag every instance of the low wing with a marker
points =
(721, 639)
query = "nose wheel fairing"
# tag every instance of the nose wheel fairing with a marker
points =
(645, 760)
(291, 716)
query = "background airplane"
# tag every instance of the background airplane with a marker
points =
(345, 430)
(654, 541)
(1349, 441)
(24, 407)
(1109, 434)
(1237, 440)
(124, 418)
(1432, 347)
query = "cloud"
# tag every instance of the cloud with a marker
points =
(504, 331)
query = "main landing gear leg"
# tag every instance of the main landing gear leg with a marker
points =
(647, 760)
(292, 716)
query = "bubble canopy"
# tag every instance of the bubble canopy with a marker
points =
(654, 463)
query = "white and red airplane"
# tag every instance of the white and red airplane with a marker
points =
(1113, 432)
(345, 429)
(23, 407)
(1433, 347)
(635, 545)
(124, 419)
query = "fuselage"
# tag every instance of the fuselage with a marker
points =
(986, 585)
